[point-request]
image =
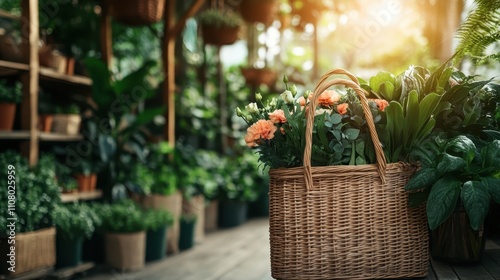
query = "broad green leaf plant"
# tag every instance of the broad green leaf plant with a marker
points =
(455, 172)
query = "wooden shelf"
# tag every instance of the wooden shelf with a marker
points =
(71, 197)
(58, 137)
(34, 274)
(51, 75)
(15, 135)
(5, 14)
(68, 272)
(42, 136)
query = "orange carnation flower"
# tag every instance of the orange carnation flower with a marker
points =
(278, 116)
(262, 129)
(328, 98)
(381, 103)
(302, 101)
(342, 108)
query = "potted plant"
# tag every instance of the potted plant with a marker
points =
(85, 176)
(36, 196)
(9, 97)
(158, 221)
(124, 228)
(73, 222)
(219, 26)
(155, 183)
(262, 11)
(458, 181)
(68, 121)
(46, 111)
(234, 195)
(187, 226)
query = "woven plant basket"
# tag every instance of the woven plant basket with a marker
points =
(345, 222)
(137, 12)
(35, 249)
(66, 124)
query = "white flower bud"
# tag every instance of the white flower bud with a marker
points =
(252, 108)
(287, 97)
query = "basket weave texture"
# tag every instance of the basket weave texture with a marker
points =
(345, 221)
(35, 249)
(137, 12)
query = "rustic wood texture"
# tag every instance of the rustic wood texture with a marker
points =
(242, 253)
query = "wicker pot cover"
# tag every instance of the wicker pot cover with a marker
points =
(345, 222)
(137, 12)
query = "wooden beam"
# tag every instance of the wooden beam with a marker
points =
(29, 106)
(177, 28)
(169, 68)
(106, 35)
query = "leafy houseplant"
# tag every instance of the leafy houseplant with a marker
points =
(74, 222)
(158, 220)
(9, 97)
(115, 128)
(125, 237)
(456, 174)
(219, 27)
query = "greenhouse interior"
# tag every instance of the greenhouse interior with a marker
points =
(250, 139)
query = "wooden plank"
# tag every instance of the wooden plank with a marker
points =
(59, 137)
(491, 266)
(15, 135)
(169, 68)
(443, 271)
(68, 272)
(5, 14)
(254, 267)
(430, 274)
(34, 274)
(14, 65)
(71, 197)
(50, 74)
(494, 254)
(476, 272)
(106, 35)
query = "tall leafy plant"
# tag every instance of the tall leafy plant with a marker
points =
(115, 128)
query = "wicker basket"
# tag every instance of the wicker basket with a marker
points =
(137, 12)
(35, 250)
(345, 222)
(66, 124)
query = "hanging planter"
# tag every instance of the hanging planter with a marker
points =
(263, 11)
(257, 76)
(219, 27)
(136, 12)
(455, 241)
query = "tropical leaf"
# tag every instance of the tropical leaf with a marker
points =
(476, 202)
(442, 200)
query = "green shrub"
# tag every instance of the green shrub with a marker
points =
(75, 220)
(156, 218)
(122, 217)
(10, 94)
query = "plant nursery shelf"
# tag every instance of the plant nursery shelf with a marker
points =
(48, 76)
(70, 197)
(43, 136)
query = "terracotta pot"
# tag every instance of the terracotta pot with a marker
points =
(9, 50)
(219, 36)
(86, 183)
(7, 115)
(256, 77)
(262, 11)
(45, 122)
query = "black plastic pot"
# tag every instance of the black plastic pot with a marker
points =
(456, 242)
(232, 213)
(186, 239)
(260, 207)
(68, 251)
(93, 249)
(156, 244)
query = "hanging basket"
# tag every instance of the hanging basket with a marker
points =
(255, 77)
(345, 222)
(263, 11)
(137, 12)
(219, 36)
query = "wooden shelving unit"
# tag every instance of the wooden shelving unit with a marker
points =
(71, 197)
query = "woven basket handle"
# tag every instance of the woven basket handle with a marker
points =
(323, 85)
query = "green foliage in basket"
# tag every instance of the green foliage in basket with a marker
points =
(123, 216)
(220, 18)
(10, 93)
(36, 192)
(74, 221)
(72, 109)
(456, 169)
(156, 218)
(156, 175)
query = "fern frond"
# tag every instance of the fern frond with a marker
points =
(479, 30)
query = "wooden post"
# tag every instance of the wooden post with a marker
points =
(29, 106)
(169, 68)
(106, 35)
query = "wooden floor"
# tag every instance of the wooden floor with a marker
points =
(242, 253)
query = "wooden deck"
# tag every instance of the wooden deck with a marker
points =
(242, 253)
